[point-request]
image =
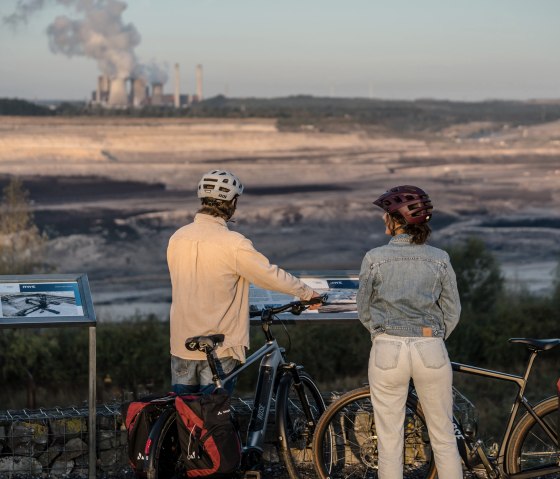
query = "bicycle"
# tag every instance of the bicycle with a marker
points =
(345, 442)
(297, 398)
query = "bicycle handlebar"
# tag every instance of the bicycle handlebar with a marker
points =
(295, 307)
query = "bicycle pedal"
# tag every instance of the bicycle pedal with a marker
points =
(252, 475)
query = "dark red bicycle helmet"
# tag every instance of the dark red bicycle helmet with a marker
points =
(411, 202)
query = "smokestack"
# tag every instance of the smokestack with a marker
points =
(94, 29)
(117, 93)
(138, 92)
(199, 82)
(157, 94)
(177, 98)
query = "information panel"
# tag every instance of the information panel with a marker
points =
(340, 286)
(45, 300)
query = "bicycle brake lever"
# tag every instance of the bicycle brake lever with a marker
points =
(297, 309)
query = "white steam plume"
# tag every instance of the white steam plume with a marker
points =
(153, 72)
(24, 8)
(97, 32)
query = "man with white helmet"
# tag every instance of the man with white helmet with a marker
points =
(211, 268)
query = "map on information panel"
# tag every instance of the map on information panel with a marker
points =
(32, 300)
(48, 299)
(341, 291)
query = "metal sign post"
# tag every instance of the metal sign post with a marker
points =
(50, 300)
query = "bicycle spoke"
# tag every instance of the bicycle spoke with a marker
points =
(533, 446)
(538, 449)
(296, 430)
(348, 443)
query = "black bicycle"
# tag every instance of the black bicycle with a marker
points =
(297, 399)
(345, 442)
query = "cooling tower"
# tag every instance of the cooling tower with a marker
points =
(157, 94)
(138, 92)
(118, 95)
(103, 86)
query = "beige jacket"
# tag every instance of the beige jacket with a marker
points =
(211, 268)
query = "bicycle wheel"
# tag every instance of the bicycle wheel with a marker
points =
(165, 451)
(345, 441)
(295, 429)
(533, 446)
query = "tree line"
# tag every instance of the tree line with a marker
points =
(323, 113)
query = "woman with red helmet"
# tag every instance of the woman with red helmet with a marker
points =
(409, 302)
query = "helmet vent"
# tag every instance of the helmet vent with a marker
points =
(411, 202)
(220, 185)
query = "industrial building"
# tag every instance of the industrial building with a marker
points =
(137, 92)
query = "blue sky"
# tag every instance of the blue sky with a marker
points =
(398, 49)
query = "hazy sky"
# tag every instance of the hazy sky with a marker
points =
(395, 49)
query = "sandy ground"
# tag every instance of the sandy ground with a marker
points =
(110, 192)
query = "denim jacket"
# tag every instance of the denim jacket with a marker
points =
(408, 290)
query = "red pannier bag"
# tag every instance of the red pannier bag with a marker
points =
(208, 435)
(139, 417)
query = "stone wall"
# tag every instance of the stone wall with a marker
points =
(54, 443)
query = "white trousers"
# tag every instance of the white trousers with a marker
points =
(393, 361)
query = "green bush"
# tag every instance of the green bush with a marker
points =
(133, 355)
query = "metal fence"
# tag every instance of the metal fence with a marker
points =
(53, 443)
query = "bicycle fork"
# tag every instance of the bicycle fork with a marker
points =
(293, 368)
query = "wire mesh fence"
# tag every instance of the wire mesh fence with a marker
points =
(54, 443)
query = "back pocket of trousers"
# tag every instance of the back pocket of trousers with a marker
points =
(387, 354)
(433, 353)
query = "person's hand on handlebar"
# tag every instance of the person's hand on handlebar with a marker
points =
(316, 305)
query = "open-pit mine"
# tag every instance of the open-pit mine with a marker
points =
(110, 191)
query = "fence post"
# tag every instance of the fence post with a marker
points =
(92, 416)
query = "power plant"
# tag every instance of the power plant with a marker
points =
(137, 92)
(97, 30)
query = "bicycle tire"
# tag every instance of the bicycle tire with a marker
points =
(530, 447)
(295, 432)
(165, 450)
(345, 441)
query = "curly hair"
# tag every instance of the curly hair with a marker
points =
(218, 208)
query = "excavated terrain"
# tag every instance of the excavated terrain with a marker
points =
(109, 193)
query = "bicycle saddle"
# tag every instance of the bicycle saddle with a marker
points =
(204, 343)
(537, 344)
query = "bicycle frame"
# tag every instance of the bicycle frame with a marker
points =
(475, 451)
(275, 376)
(272, 359)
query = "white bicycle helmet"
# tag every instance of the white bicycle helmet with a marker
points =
(219, 185)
